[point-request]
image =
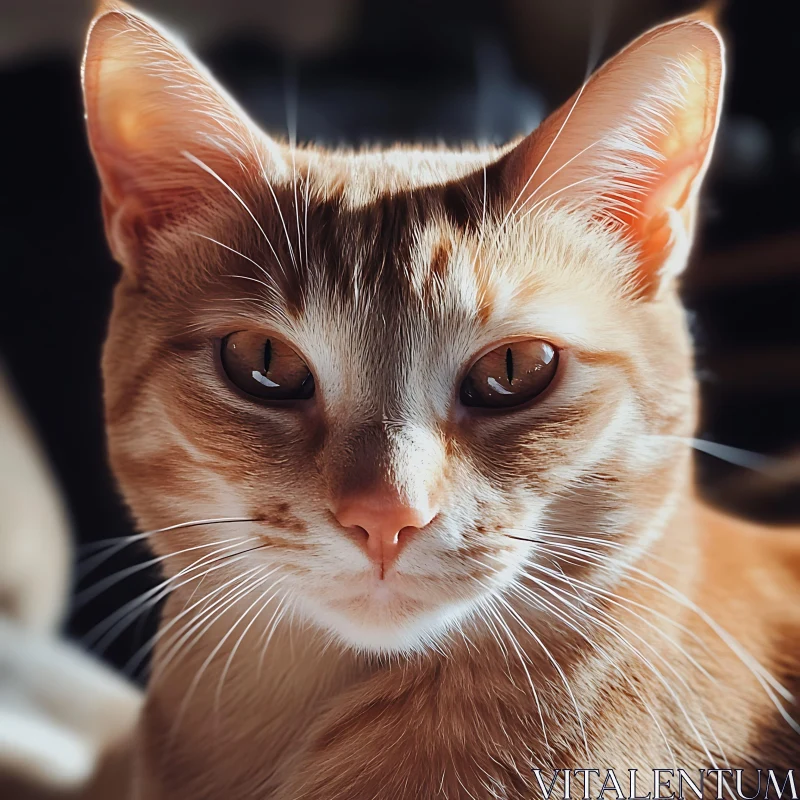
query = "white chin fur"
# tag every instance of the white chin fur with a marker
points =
(384, 636)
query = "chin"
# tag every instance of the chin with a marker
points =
(383, 621)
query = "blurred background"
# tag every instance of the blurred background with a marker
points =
(354, 71)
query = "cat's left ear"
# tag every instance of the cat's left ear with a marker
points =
(168, 141)
(631, 148)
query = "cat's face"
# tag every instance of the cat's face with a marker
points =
(421, 375)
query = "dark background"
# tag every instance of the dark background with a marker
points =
(441, 70)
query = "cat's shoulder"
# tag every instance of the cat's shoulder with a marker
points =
(769, 552)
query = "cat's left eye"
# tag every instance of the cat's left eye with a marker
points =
(265, 367)
(510, 375)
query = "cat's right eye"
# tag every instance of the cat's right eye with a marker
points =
(265, 368)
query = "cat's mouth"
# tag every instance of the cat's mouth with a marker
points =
(379, 588)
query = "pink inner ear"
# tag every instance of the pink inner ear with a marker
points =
(631, 149)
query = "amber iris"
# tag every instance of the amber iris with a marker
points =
(265, 367)
(510, 375)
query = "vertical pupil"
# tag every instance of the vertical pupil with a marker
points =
(509, 365)
(267, 355)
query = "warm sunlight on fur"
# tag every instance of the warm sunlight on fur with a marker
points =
(384, 505)
(481, 260)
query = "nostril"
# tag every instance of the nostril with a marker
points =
(404, 535)
(358, 534)
(419, 525)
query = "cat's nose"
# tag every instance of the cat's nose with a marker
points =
(383, 523)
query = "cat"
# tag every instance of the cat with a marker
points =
(410, 431)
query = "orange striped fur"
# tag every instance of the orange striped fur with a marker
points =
(572, 605)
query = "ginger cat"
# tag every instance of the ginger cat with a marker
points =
(411, 430)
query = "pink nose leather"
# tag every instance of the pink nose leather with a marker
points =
(388, 522)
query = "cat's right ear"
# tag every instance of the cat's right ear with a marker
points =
(167, 140)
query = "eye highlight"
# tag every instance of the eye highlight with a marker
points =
(510, 375)
(265, 368)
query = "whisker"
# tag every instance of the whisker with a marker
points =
(552, 175)
(554, 193)
(681, 650)
(624, 602)
(137, 659)
(586, 636)
(546, 152)
(273, 287)
(269, 631)
(121, 542)
(766, 680)
(209, 615)
(210, 657)
(179, 645)
(610, 628)
(291, 126)
(724, 452)
(554, 662)
(609, 597)
(266, 179)
(91, 592)
(117, 622)
(522, 657)
(612, 597)
(218, 695)
(235, 194)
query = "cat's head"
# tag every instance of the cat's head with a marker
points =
(424, 374)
